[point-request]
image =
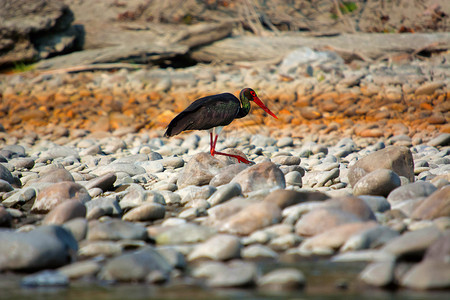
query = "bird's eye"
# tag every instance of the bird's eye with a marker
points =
(253, 93)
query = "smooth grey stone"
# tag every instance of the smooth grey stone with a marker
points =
(369, 239)
(104, 182)
(78, 227)
(294, 178)
(224, 193)
(395, 158)
(45, 278)
(108, 203)
(57, 151)
(258, 251)
(199, 170)
(6, 175)
(263, 175)
(80, 269)
(376, 203)
(325, 166)
(379, 182)
(259, 140)
(379, 274)
(15, 150)
(441, 140)
(174, 257)
(132, 158)
(286, 160)
(100, 248)
(287, 169)
(136, 196)
(412, 243)
(191, 193)
(152, 166)
(237, 273)
(427, 275)
(135, 266)
(145, 212)
(282, 279)
(131, 169)
(172, 162)
(411, 191)
(5, 186)
(285, 142)
(22, 163)
(20, 197)
(227, 173)
(184, 233)
(219, 247)
(115, 229)
(44, 247)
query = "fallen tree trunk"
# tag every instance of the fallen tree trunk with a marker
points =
(370, 46)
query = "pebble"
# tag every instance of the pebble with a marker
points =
(219, 247)
(379, 183)
(88, 268)
(282, 279)
(294, 178)
(434, 206)
(233, 274)
(145, 212)
(258, 251)
(411, 191)
(224, 193)
(379, 274)
(135, 266)
(56, 193)
(45, 278)
(115, 229)
(328, 241)
(413, 243)
(265, 175)
(321, 219)
(42, 248)
(64, 212)
(184, 233)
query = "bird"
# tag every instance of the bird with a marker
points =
(214, 112)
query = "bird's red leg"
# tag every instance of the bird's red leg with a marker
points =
(211, 144)
(213, 151)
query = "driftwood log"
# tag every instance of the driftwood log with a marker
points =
(364, 46)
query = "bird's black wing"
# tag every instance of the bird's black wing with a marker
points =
(205, 113)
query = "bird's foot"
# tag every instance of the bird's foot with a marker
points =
(239, 158)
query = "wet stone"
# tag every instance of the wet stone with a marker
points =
(282, 280)
(135, 266)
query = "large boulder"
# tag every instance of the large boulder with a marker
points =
(396, 158)
(33, 30)
(42, 248)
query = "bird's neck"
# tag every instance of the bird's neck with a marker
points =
(245, 108)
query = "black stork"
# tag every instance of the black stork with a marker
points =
(212, 113)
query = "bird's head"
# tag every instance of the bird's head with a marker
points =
(250, 95)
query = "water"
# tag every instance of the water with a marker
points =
(325, 280)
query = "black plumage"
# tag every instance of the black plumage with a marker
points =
(206, 113)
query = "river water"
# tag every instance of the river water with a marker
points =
(325, 280)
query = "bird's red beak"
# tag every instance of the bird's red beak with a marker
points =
(260, 104)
